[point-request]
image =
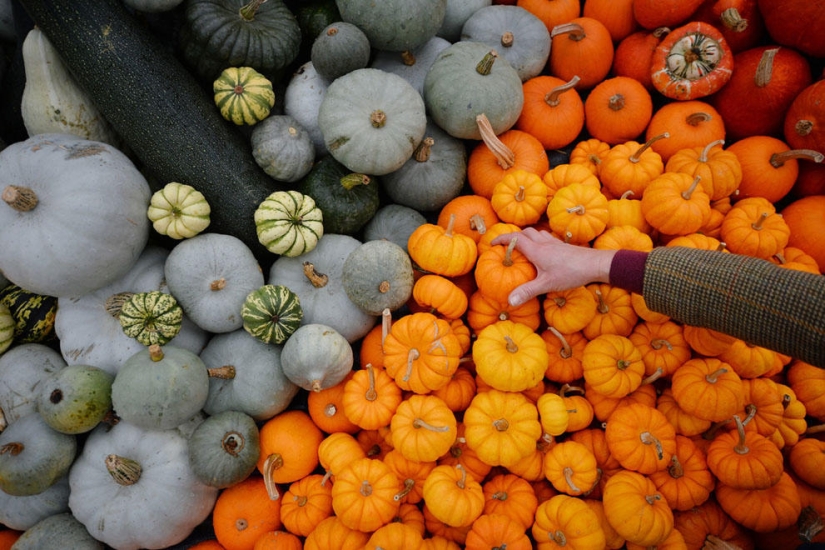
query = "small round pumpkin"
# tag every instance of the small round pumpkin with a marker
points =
(76, 398)
(339, 48)
(224, 449)
(564, 520)
(510, 356)
(153, 317)
(179, 211)
(363, 495)
(378, 275)
(423, 428)
(271, 313)
(452, 496)
(629, 494)
(316, 357)
(282, 147)
(289, 223)
(243, 95)
(502, 427)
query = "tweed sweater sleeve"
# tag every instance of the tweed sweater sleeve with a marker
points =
(751, 299)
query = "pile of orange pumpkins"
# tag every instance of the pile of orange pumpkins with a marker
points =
(582, 419)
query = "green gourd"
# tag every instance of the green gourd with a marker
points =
(224, 449)
(243, 95)
(76, 398)
(272, 313)
(289, 223)
(347, 199)
(153, 317)
(317, 357)
(160, 388)
(378, 275)
(33, 314)
(340, 48)
(33, 456)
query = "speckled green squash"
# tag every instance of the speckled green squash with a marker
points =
(7, 326)
(243, 95)
(33, 314)
(76, 398)
(289, 223)
(151, 317)
(272, 313)
(224, 449)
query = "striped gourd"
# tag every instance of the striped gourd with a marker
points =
(33, 314)
(289, 223)
(272, 313)
(151, 317)
(243, 95)
(7, 326)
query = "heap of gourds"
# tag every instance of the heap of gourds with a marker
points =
(341, 369)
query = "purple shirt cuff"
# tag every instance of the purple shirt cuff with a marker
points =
(627, 270)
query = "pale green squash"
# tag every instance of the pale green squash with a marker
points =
(76, 398)
(58, 531)
(378, 275)
(289, 223)
(224, 449)
(23, 512)
(317, 357)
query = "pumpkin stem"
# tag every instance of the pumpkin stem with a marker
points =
(637, 156)
(622, 364)
(687, 193)
(378, 118)
(741, 447)
(511, 346)
(505, 157)
(558, 537)
(733, 20)
(408, 486)
(370, 394)
(386, 323)
(809, 524)
(499, 495)
(520, 194)
(124, 471)
(574, 31)
(217, 284)
(660, 32)
(712, 542)
(351, 181)
(658, 373)
(695, 119)
(803, 127)
(779, 159)
(714, 376)
(316, 385)
(649, 439)
(317, 279)
(366, 488)
(384, 287)
(566, 351)
(21, 199)
(477, 224)
(818, 429)
(676, 470)
(233, 443)
(627, 194)
(568, 478)
(249, 10)
(764, 70)
(225, 372)
(657, 344)
(760, 221)
(552, 97)
(703, 156)
(272, 463)
(408, 58)
(448, 231)
(501, 424)
(12, 449)
(411, 357)
(578, 209)
(602, 306)
(507, 39)
(508, 252)
(567, 388)
(462, 482)
(651, 499)
(486, 64)
(420, 423)
(114, 303)
(422, 152)
(155, 353)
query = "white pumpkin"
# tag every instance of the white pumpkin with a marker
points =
(22, 369)
(160, 510)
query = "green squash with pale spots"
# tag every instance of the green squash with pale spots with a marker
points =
(76, 398)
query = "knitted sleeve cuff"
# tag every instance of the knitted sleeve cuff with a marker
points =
(627, 270)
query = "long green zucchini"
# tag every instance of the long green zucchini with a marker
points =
(163, 115)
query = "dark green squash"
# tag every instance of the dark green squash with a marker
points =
(313, 17)
(33, 314)
(272, 313)
(348, 200)
(165, 117)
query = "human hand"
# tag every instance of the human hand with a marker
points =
(559, 265)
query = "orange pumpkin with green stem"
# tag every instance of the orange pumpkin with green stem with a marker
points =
(553, 111)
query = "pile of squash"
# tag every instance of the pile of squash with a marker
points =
(249, 298)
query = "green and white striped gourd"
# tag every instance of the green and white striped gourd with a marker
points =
(151, 317)
(179, 211)
(243, 95)
(272, 313)
(289, 223)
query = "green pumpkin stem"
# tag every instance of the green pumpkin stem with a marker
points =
(485, 66)
(21, 199)
(350, 181)
(124, 471)
(249, 10)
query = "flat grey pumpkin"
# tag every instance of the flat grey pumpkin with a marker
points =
(340, 48)
(378, 275)
(394, 222)
(283, 148)
(22, 513)
(224, 449)
(60, 530)
(395, 25)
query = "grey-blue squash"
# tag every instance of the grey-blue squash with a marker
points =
(224, 449)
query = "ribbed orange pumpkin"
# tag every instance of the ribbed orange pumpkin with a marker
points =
(640, 438)
(564, 520)
(753, 227)
(708, 389)
(631, 166)
(423, 428)
(520, 198)
(364, 494)
(510, 356)
(635, 508)
(442, 251)
(676, 203)
(578, 212)
(687, 482)
(501, 427)
(612, 365)
(744, 459)
(501, 269)
(719, 168)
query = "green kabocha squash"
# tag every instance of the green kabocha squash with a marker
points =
(76, 398)
(33, 314)
(7, 328)
(243, 95)
(347, 199)
(317, 357)
(22, 513)
(283, 148)
(224, 449)
(160, 388)
(245, 375)
(272, 313)
(372, 120)
(153, 317)
(468, 79)
(61, 530)
(262, 34)
(457, 14)
(340, 48)
(179, 211)
(313, 17)
(289, 223)
(33, 456)
(395, 25)
(378, 275)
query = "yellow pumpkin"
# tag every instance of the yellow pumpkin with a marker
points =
(510, 356)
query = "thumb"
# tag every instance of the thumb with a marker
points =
(523, 293)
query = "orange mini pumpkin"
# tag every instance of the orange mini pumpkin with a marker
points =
(636, 509)
(332, 533)
(442, 251)
(423, 428)
(497, 531)
(512, 496)
(306, 503)
(553, 111)
(708, 389)
(631, 166)
(440, 295)
(565, 350)
(569, 310)
(452, 496)
(567, 521)
(571, 468)
(510, 356)
(581, 47)
(483, 311)
(640, 438)
(243, 512)
(578, 212)
(687, 482)
(370, 398)
(719, 168)
(618, 109)
(474, 214)
(614, 311)
(676, 203)
(501, 269)
(336, 451)
(745, 459)
(502, 427)
(364, 494)
(589, 153)
(754, 228)
(612, 365)
(289, 448)
(520, 198)
(762, 510)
